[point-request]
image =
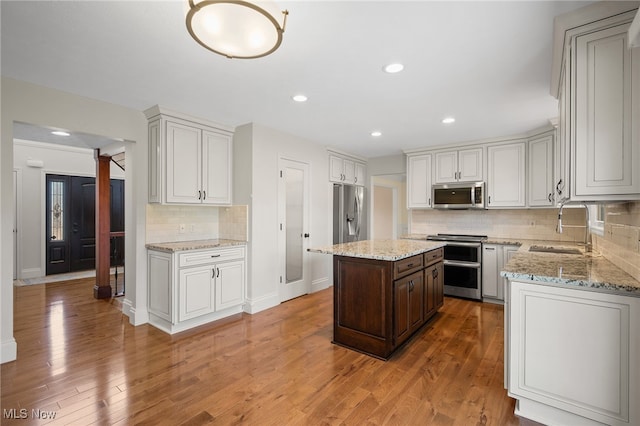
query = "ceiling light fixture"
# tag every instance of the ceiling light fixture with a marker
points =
(299, 98)
(376, 133)
(393, 68)
(236, 28)
(60, 133)
(448, 120)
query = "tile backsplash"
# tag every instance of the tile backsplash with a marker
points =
(184, 223)
(621, 240)
(534, 224)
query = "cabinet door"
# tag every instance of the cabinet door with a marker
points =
(562, 154)
(438, 284)
(336, 169)
(196, 292)
(607, 101)
(506, 180)
(470, 165)
(361, 173)
(419, 181)
(490, 270)
(507, 254)
(230, 282)
(184, 165)
(446, 164)
(216, 168)
(430, 291)
(349, 171)
(540, 182)
(416, 298)
(401, 309)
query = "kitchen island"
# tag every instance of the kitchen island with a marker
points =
(384, 291)
(572, 338)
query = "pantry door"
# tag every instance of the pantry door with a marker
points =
(293, 228)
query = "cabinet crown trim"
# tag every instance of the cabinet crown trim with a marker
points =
(158, 111)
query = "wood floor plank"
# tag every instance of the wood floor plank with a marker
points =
(80, 358)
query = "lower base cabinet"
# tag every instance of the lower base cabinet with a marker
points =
(572, 355)
(379, 304)
(494, 257)
(192, 288)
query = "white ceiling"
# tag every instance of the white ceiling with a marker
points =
(486, 63)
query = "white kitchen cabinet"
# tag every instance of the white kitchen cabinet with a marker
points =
(346, 170)
(541, 192)
(606, 115)
(506, 175)
(189, 160)
(494, 257)
(463, 165)
(596, 78)
(419, 181)
(572, 355)
(190, 288)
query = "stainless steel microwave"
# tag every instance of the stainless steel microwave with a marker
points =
(462, 195)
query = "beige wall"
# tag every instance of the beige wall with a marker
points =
(382, 212)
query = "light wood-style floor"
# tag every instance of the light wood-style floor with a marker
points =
(80, 358)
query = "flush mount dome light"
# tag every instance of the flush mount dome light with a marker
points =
(393, 68)
(236, 28)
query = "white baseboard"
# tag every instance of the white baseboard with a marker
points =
(8, 350)
(320, 284)
(253, 306)
(29, 273)
(136, 316)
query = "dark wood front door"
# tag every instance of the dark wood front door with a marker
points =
(71, 230)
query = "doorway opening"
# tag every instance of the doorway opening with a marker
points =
(389, 214)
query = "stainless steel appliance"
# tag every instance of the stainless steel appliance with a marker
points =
(462, 264)
(462, 195)
(348, 213)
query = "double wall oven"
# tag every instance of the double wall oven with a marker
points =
(462, 264)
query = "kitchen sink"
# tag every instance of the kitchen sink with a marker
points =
(551, 249)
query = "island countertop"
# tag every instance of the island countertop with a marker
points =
(171, 247)
(389, 250)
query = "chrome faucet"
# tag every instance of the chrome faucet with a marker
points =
(587, 234)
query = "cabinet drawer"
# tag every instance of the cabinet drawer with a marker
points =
(193, 258)
(433, 256)
(407, 266)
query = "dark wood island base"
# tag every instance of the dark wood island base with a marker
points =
(379, 304)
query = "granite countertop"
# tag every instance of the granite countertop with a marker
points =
(587, 271)
(194, 245)
(390, 250)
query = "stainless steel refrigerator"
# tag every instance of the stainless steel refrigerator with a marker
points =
(349, 213)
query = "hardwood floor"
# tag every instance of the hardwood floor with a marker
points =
(80, 359)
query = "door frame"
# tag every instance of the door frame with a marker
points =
(394, 212)
(17, 223)
(305, 283)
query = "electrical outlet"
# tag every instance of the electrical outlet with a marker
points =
(182, 228)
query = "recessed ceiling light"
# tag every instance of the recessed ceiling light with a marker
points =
(376, 133)
(299, 98)
(448, 120)
(393, 68)
(60, 133)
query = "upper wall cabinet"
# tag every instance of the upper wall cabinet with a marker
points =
(506, 175)
(459, 166)
(419, 181)
(540, 187)
(599, 88)
(189, 160)
(348, 170)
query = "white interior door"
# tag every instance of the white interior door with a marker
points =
(293, 215)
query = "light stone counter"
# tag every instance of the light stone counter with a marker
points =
(390, 250)
(588, 271)
(194, 245)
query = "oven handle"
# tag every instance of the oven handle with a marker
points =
(474, 265)
(461, 244)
